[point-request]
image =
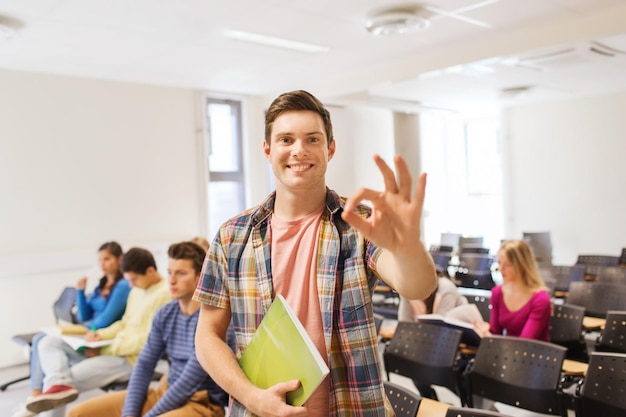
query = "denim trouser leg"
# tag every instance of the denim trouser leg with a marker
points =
(36, 373)
(96, 372)
(56, 357)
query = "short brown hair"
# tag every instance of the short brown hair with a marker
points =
(298, 100)
(138, 260)
(188, 250)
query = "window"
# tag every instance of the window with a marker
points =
(226, 188)
(464, 193)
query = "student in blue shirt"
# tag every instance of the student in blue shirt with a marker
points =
(101, 308)
(107, 302)
(187, 389)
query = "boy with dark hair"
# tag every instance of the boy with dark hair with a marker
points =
(324, 254)
(68, 372)
(187, 389)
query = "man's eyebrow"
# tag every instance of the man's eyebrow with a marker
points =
(315, 132)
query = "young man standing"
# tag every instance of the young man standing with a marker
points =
(187, 389)
(68, 372)
(324, 255)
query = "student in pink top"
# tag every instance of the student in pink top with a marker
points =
(521, 306)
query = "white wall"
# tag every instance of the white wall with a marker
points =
(360, 133)
(83, 162)
(565, 172)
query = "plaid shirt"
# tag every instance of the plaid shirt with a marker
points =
(237, 275)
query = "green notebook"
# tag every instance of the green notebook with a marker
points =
(281, 350)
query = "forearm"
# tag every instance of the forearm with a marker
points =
(412, 275)
(219, 361)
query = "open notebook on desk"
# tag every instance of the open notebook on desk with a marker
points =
(461, 318)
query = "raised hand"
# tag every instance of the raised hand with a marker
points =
(394, 226)
(396, 212)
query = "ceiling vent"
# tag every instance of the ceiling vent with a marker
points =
(401, 19)
(568, 57)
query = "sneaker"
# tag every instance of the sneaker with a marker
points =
(53, 397)
(22, 411)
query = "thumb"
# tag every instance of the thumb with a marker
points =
(284, 387)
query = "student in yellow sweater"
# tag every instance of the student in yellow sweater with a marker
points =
(68, 372)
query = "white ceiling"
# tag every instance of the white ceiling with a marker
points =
(472, 50)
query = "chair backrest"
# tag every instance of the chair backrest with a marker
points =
(566, 323)
(474, 271)
(541, 245)
(441, 248)
(441, 260)
(64, 306)
(425, 352)
(471, 412)
(622, 258)
(474, 249)
(613, 336)
(597, 297)
(521, 372)
(378, 321)
(602, 391)
(612, 274)
(403, 401)
(593, 263)
(472, 241)
(564, 275)
(566, 329)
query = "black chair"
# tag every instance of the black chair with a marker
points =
(427, 353)
(474, 271)
(622, 258)
(593, 263)
(475, 249)
(566, 329)
(378, 321)
(470, 241)
(403, 401)
(602, 390)
(597, 297)
(562, 277)
(541, 244)
(613, 336)
(64, 312)
(386, 301)
(441, 260)
(524, 373)
(441, 248)
(612, 274)
(472, 412)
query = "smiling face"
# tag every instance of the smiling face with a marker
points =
(298, 151)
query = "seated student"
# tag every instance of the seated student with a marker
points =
(521, 305)
(187, 390)
(443, 300)
(68, 372)
(101, 308)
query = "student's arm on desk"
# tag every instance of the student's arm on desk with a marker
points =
(219, 361)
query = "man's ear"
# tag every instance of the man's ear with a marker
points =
(266, 149)
(331, 149)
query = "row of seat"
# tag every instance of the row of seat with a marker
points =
(407, 403)
(520, 372)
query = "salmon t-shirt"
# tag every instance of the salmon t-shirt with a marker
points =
(294, 274)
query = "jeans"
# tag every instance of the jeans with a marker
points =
(36, 373)
(62, 365)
